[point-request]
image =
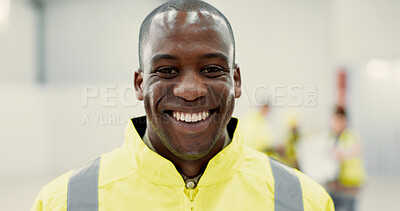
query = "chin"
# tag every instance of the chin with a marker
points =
(191, 155)
(191, 151)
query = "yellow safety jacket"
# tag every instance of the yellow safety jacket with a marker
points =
(352, 172)
(134, 177)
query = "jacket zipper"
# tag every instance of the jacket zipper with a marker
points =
(191, 194)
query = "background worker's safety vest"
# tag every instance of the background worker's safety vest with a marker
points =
(352, 172)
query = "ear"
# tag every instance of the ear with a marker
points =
(138, 84)
(238, 81)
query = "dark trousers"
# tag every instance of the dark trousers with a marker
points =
(344, 202)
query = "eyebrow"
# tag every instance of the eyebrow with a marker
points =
(159, 57)
(214, 55)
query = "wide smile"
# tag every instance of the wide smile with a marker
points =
(191, 122)
(190, 117)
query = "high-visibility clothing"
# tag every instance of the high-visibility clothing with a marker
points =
(134, 177)
(256, 132)
(291, 149)
(352, 172)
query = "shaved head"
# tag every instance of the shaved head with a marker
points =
(171, 7)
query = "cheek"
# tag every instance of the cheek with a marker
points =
(223, 93)
(224, 89)
(155, 94)
(152, 95)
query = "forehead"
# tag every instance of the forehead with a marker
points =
(173, 19)
(195, 30)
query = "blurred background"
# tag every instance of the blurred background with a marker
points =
(66, 72)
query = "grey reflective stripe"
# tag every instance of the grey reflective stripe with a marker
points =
(288, 192)
(83, 187)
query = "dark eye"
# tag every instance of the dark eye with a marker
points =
(167, 70)
(213, 71)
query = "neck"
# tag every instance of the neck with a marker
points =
(190, 168)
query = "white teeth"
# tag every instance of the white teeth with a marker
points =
(187, 118)
(190, 117)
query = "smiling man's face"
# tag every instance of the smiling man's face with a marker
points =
(188, 81)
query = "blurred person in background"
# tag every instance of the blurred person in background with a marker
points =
(347, 150)
(255, 127)
(290, 151)
(334, 159)
(258, 133)
(185, 153)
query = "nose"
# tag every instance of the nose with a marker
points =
(190, 87)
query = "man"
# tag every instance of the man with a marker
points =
(184, 155)
(347, 149)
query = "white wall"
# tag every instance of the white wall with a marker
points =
(18, 46)
(23, 126)
(284, 43)
(79, 133)
(363, 30)
(93, 41)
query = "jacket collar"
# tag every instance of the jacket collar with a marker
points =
(155, 168)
